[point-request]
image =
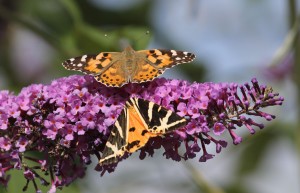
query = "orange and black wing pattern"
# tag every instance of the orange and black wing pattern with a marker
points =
(138, 122)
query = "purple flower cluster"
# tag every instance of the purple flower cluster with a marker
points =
(61, 125)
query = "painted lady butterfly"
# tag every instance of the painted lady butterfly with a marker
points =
(114, 69)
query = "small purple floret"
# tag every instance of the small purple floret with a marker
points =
(219, 128)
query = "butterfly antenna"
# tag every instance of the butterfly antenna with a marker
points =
(142, 36)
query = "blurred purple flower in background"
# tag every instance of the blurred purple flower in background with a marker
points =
(69, 120)
(281, 70)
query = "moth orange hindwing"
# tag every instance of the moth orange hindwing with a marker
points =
(138, 121)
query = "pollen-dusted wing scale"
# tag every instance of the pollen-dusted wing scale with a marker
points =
(138, 121)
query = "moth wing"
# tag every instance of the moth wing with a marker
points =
(138, 133)
(115, 145)
(158, 119)
(138, 122)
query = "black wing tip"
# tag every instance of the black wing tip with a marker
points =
(66, 63)
(70, 65)
(186, 56)
(189, 57)
(192, 56)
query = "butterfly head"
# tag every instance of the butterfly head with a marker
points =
(129, 51)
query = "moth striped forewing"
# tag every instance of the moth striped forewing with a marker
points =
(138, 121)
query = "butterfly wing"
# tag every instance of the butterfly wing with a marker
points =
(153, 63)
(91, 64)
(114, 76)
(145, 72)
(105, 67)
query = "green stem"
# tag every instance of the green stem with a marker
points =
(74, 12)
(292, 12)
(293, 19)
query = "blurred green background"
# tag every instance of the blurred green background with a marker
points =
(233, 41)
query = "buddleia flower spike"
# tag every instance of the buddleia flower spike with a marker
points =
(75, 118)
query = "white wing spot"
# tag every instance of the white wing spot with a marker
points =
(174, 53)
(79, 64)
(83, 58)
(178, 58)
(72, 59)
(185, 53)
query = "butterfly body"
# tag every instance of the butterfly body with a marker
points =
(138, 122)
(118, 68)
